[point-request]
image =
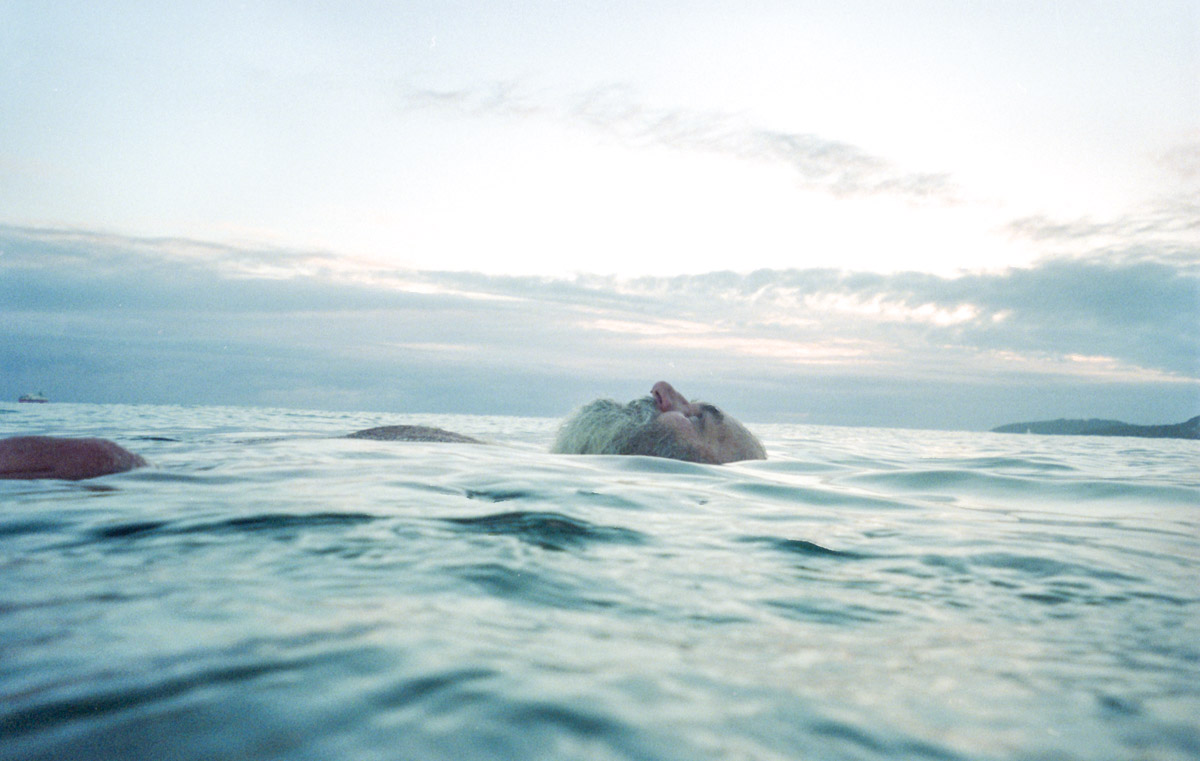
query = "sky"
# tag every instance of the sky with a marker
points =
(924, 214)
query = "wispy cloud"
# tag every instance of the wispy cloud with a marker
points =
(820, 163)
(1165, 229)
(1168, 230)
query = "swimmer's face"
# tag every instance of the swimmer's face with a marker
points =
(726, 437)
(706, 426)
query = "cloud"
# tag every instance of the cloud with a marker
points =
(124, 319)
(818, 163)
(1166, 228)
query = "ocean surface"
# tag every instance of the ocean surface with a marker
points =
(268, 590)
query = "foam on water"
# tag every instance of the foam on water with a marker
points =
(268, 590)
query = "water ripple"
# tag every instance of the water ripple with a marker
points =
(442, 688)
(270, 523)
(804, 548)
(550, 531)
(41, 715)
(530, 586)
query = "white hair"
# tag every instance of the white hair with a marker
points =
(609, 427)
(603, 426)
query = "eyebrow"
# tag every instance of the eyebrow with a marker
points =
(716, 413)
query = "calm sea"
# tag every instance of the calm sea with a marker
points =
(270, 591)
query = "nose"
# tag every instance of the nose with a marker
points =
(667, 399)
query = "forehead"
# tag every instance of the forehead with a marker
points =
(711, 422)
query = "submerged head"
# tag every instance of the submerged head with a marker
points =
(664, 424)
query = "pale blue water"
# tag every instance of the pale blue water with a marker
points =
(267, 591)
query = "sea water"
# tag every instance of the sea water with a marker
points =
(268, 590)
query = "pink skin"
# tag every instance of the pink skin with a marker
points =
(28, 457)
(670, 400)
(720, 437)
(675, 409)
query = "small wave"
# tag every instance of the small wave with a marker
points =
(800, 467)
(1158, 597)
(499, 495)
(1023, 567)
(970, 481)
(807, 495)
(250, 524)
(832, 612)
(854, 741)
(125, 530)
(1028, 464)
(271, 522)
(607, 499)
(94, 705)
(24, 527)
(528, 586)
(804, 548)
(542, 717)
(1042, 567)
(977, 483)
(1132, 492)
(550, 531)
(639, 464)
(443, 689)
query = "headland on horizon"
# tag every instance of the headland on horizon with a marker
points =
(1189, 429)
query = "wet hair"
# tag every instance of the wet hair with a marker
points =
(608, 427)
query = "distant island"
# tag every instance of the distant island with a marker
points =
(1062, 427)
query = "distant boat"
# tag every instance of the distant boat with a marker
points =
(33, 398)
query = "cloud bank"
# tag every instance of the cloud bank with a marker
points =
(93, 317)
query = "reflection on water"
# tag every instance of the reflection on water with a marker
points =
(268, 590)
